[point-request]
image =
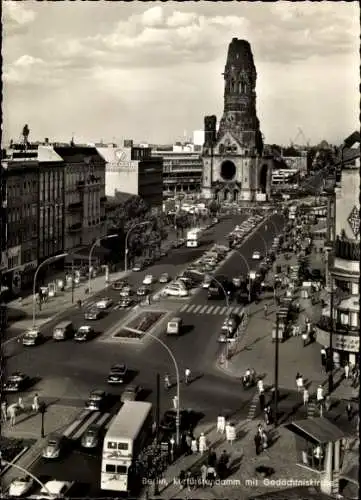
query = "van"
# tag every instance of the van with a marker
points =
(63, 331)
(174, 326)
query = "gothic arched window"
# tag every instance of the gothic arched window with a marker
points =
(242, 87)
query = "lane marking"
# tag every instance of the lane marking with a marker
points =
(191, 307)
(217, 309)
(203, 309)
(103, 419)
(78, 421)
(85, 425)
(223, 310)
(210, 309)
(197, 309)
(183, 308)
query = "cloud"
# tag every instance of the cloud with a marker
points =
(153, 17)
(16, 18)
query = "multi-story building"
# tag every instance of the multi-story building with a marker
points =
(51, 203)
(344, 265)
(21, 172)
(84, 195)
(182, 169)
(133, 170)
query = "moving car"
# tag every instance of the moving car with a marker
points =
(55, 489)
(143, 291)
(93, 314)
(117, 374)
(32, 337)
(164, 278)
(16, 382)
(256, 256)
(91, 437)
(104, 303)
(126, 291)
(130, 393)
(137, 267)
(96, 400)
(148, 279)
(228, 336)
(119, 284)
(125, 302)
(174, 326)
(232, 322)
(20, 486)
(84, 333)
(207, 281)
(53, 447)
(176, 289)
(168, 422)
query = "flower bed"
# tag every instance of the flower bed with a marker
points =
(128, 334)
(145, 320)
(11, 447)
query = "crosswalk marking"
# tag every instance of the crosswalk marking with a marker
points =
(197, 309)
(209, 309)
(203, 309)
(216, 310)
(183, 308)
(191, 307)
(86, 424)
(223, 310)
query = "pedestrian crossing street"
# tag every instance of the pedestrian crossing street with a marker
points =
(87, 418)
(209, 309)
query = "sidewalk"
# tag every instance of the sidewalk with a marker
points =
(243, 480)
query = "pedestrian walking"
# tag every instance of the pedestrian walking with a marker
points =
(187, 374)
(175, 402)
(222, 465)
(262, 401)
(20, 403)
(204, 475)
(268, 417)
(4, 408)
(347, 371)
(202, 443)
(35, 405)
(319, 395)
(12, 415)
(221, 424)
(323, 357)
(260, 386)
(299, 382)
(188, 442)
(231, 434)
(305, 338)
(349, 412)
(211, 475)
(265, 310)
(212, 457)
(194, 446)
(258, 443)
(327, 403)
(306, 397)
(264, 441)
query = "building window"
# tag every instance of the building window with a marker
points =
(355, 319)
(355, 288)
(344, 318)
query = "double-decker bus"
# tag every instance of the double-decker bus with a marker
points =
(128, 433)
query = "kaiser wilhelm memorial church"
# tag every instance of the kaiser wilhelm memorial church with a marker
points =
(234, 166)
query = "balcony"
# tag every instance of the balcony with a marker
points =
(73, 207)
(347, 250)
(75, 227)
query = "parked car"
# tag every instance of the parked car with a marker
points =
(119, 284)
(117, 374)
(232, 322)
(16, 382)
(53, 447)
(93, 314)
(91, 437)
(138, 267)
(164, 278)
(125, 302)
(176, 290)
(96, 400)
(126, 291)
(20, 486)
(148, 279)
(84, 333)
(104, 303)
(143, 291)
(55, 489)
(32, 337)
(256, 256)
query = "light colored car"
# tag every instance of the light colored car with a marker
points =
(55, 489)
(126, 291)
(256, 256)
(32, 337)
(104, 303)
(148, 279)
(52, 448)
(176, 290)
(143, 291)
(96, 400)
(137, 267)
(20, 486)
(131, 393)
(164, 278)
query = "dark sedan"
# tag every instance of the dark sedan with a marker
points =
(16, 382)
(168, 422)
(93, 314)
(84, 333)
(117, 374)
(96, 400)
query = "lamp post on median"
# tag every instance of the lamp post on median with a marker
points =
(145, 223)
(28, 473)
(46, 261)
(96, 242)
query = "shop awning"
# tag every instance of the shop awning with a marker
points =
(317, 430)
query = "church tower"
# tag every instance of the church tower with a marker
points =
(233, 168)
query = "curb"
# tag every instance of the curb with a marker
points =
(14, 460)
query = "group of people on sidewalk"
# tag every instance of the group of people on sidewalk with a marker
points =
(211, 470)
(10, 412)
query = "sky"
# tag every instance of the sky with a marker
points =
(151, 71)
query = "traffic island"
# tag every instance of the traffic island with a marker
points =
(139, 326)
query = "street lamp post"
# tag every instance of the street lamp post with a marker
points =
(332, 330)
(276, 371)
(46, 261)
(249, 273)
(126, 241)
(27, 473)
(178, 382)
(96, 242)
(42, 410)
